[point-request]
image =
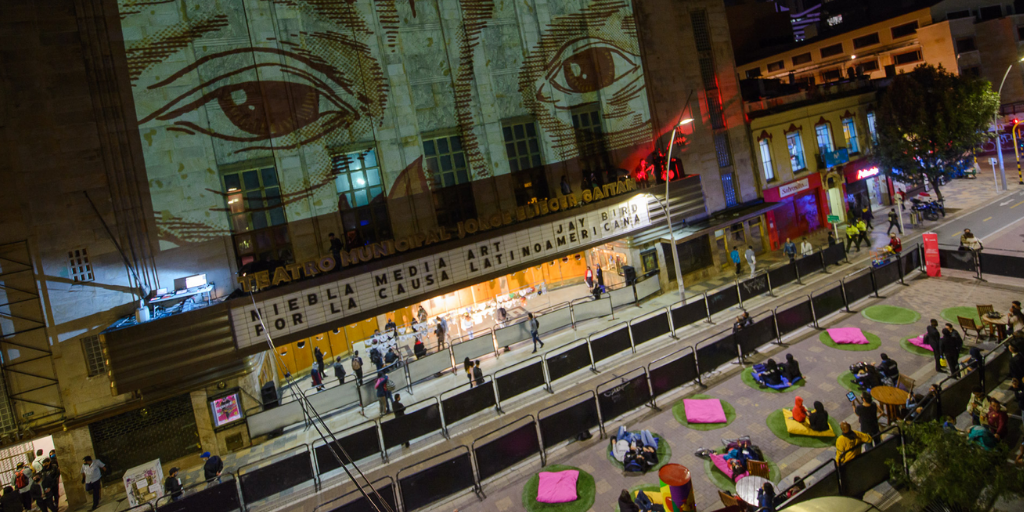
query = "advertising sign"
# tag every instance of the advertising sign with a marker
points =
(931, 254)
(226, 409)
(836, 158)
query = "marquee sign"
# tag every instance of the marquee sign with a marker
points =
(330, 303)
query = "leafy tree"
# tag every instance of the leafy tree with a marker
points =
(930, 119)
(946, 468)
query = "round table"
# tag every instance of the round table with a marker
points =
(747, 487)
(997, 324)
(893, 400)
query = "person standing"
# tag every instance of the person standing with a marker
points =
(894, 222)
(806, 249)
(37, 464)
(734, 255)
(863, 229)
(751, 260)
(92, 472)
(357, 367)
(439, 333)
(399, 408)
(382, 393)
(478, 374)
(852, 237)
(599, 277)
(318, 380)
(467, 325)
(951, 343)
(867, 413)
(421, 314)
(934, 340)
(867, 215)
(172, 485)
(56, 472)
(335, 248)
(213, 466)
(50, 479)
(38, 495)
(23, 483)
(339, 370)
(535, 332)
(789, 249)
(589, 278)
(831, 238)
(468, 366)
(319, 355)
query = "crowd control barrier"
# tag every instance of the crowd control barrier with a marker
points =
(621, 394)
(782, 275)
(289, 469)
(865, 471)
(714, 352)
(566, 422)
(421, 488)
(793, 317)
(467, 402)
(500, 452)
(672, 371)
(650, 326)
(758, 285)
(420, 419)
(431, 365)
(474, 348)
(520, 378)
(622, 296)
(834, 254)
(759, 333)
(647, 287)
(858, 285)
(722, 300)
(820, 482)
(551, 319)
(610, 341)
(353, 444)
(203, 497)
(809, 264)
(826, 302)
(588, 309)
(563, 362)
(382, 494)
(887, 274)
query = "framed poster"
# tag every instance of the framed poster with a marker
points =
(226, 410)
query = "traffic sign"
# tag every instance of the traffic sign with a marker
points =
(833, 219)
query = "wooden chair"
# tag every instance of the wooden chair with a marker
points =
(728, 500)
(968, 324)
(982, 310)
(906, 383)
(757, 468)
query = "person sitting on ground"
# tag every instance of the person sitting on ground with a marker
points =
(799, 411)
(982, 436)
(418, 349)
(818, 418)
(997, 419)
(791, 369)
(743, 450)
(889, 369)
(868, 377)
(772, 374)
(849, 443)
(626, 502)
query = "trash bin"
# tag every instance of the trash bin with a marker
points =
(915, 218)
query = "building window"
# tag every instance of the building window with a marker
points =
(729, 190)
(775, 66)
(523, 152)
(361, 199)
(446, 161)
(832, 75)
(701, 31)
(868, 65)
(850, 132)
(824, 137)
(803, 58)
(590, 141)
(990, 13)
(693, 255)
(796, 151)
(958, 15)
(871, 126)
(965, 44)
(904, 30)
(830, 51)
(754, 73)
(258, 220)
(766, 159)
(862, 41)
(95, 363)
(722, 149)
(79, 265)
(907, 58)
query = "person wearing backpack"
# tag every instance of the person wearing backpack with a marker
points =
(357, 367)
(534, 328)
(382, 393)
(23, 483)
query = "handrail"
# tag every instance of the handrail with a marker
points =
(327, 505)
(509, 369)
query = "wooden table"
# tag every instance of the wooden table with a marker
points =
(997, 324)
(747, 487)
(893, 401)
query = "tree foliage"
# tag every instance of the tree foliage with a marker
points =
(930, 119)
(946, 468)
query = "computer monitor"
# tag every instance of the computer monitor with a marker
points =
(184, 283)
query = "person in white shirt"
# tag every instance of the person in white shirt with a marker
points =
(92, 472)
(751, 260)
(806, 249)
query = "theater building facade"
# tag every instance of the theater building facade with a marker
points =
(465, 156)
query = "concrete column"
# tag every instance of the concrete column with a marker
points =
(204, 423)
(72, 446)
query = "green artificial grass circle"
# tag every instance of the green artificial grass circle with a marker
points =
(873, 343)
(655, 488)
(748, 378)
(950, 314)
(725, 483)
(848, 382)
(914, 349)
(777, 423)
(679, 412)
(890, 314)
(586, 490)
(664, 454)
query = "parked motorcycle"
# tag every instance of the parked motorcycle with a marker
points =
(930, 210)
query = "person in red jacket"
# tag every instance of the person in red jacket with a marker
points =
(997, 420)
(896, 244)
(799, 411)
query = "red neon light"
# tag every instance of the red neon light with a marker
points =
(867, 173)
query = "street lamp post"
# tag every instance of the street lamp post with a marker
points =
(995, 124)
(1016, 152)
(668, 208)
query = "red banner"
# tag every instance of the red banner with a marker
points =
(931, 254)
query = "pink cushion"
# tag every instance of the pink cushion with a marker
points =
(707, 410)
(843, 335)
(919, 342)
(557, 487)
(723, 466)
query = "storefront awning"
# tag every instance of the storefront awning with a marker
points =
(720, 220)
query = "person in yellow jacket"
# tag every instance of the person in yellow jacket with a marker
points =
(852, 236)
(863, 228)
(848, 444)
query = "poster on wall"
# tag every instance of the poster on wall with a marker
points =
(144, 483)
(226, 409)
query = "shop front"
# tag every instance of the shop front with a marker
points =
(866, 186)
(803, 206)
